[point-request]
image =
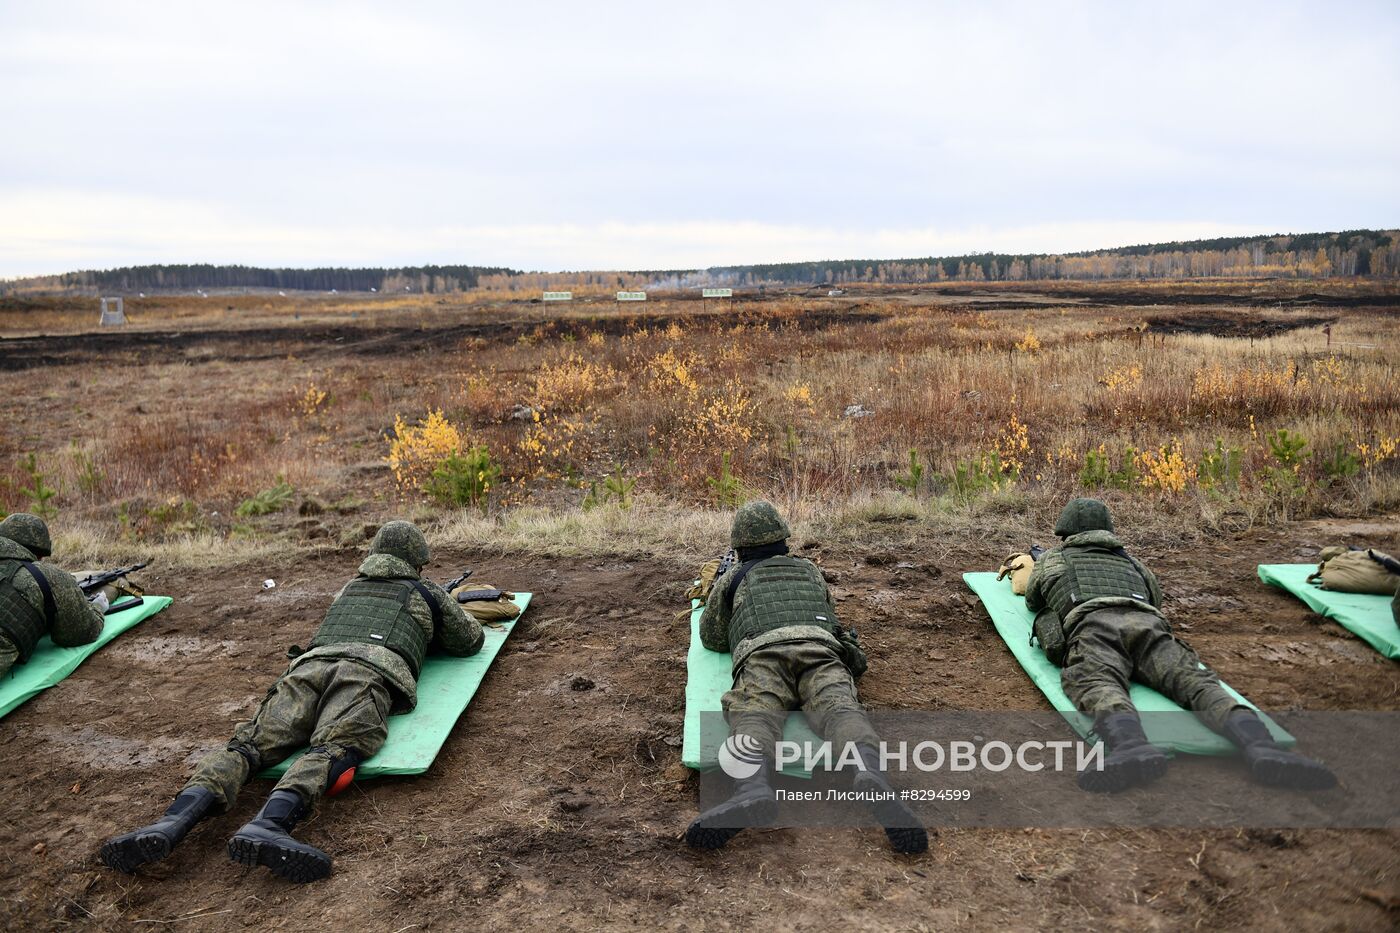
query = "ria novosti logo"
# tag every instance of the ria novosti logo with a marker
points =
(740, 756)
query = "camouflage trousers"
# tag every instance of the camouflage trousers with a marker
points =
(805, 675)
(9, 654)
(334, 705)
(1111, 647)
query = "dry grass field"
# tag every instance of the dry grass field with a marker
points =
(591, 454)
(1201, 406)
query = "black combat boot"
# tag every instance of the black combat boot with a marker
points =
(130, 851)
(1271, 764)
(1131, 760)
(904, 830)
(751, 804)
(266, 841)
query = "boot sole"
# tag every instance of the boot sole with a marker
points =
(713, 830)
(1125, 774)
(1293, 775)
(128, 853)
(291, 864)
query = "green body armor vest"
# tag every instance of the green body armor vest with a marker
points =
(778, 592)
(1095, 573)
(374, 611)
(19, 620)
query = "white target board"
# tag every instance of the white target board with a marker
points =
(717, 293)
(558, 296)
(113, 313)
(631, 296)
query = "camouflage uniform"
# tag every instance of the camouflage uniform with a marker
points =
(789, 649)
(336, 698)
(1109, 607)
(24, 539)
(775, 615)
(362, 666)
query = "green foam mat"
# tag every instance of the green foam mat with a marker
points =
(708, 675)
(1366, 616)
(1179, 733)
(49, 663)
(445, 687)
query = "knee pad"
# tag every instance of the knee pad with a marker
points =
(249, 753)
(344, 763)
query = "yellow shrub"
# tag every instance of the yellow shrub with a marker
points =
(570, 384)
(1166, 469)
(1014, 444)
(1329, 371)
(800, 394)
(1030, 343)
(311, 400)
(724, 421)
(1125, 377)
(1384, 448)
(548, 446)
(414, 452)
(670, 372)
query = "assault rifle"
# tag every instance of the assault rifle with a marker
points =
(1036, 552)
(476, 595)
(93, 582)
(727, 562)
(453, 584)
(480, 594)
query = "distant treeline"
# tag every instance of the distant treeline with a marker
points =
(1352, 252)
(201, 275)
(1305, 255)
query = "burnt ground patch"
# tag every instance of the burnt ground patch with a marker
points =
(196, 344)
(1233, 325)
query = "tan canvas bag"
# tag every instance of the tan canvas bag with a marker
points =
(1347, 571)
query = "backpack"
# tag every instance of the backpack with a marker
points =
(491, 611)
(1354, 571)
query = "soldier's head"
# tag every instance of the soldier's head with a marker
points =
(1083, 515)
(756, 524)
(28, 531)
(404, 541)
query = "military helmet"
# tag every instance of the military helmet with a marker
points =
(29, 531)
(1083, 515)
(402, 540)
(757, 523)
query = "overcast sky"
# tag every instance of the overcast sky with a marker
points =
(650, 135)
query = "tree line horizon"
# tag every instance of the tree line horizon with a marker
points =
(1309, 255)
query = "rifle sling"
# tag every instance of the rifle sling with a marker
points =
(50, 607)
(433, 606)
(744, 569)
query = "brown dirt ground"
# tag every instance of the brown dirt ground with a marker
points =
(558, 806)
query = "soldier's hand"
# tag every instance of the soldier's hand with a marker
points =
(101, 602)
